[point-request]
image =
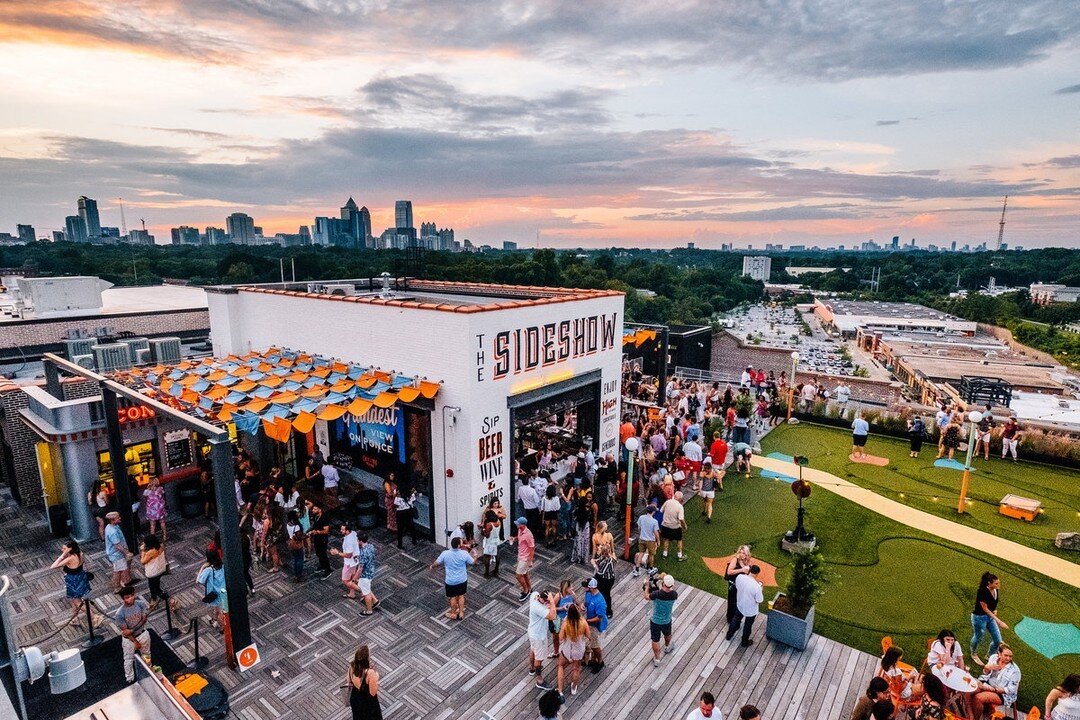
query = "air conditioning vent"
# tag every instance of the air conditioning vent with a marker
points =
(84, 361)
(79, 346)
(142, 356)
(135, 344)
(165, 350)
(340, 289)
(109, 358)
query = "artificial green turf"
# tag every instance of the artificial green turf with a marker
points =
(887, 579)
(920, 483)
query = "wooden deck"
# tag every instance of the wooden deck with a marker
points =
(821, 683)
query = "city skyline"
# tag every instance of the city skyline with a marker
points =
(792, 123)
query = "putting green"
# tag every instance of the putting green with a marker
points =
(887, 579)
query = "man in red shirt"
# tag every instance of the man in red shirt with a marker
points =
(526, 549)
(626, 431)
(718, 450)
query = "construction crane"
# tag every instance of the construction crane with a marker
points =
(1001, 225)
(123, 222)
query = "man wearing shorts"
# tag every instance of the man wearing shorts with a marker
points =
(692, 452)
(350, 551)
(542, 610)
(116, 551)
(711, 477)
(1010, 438)
(526, 547)
(455, 562)
(596, 617)
(663, 600)
(860, 429)
(671, 529)
(982, 435)
(648, 535)
(366, 558)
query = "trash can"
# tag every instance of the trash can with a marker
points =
(191, 499)
(58, 520)
(367, 509)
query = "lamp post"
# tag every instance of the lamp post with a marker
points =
(632, 444)
(791, 384)
(973, 417)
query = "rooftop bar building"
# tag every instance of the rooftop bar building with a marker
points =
(473, 379)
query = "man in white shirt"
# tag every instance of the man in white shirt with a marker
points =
(809, 395)
(705, 709)
(350, 551)
(746, 379)
(330, 479)
(529, 498)
(541, 611)
(648, 533)
(860, 430)
(692, 452)
(843, 393)
(748, 599)
(674, 523)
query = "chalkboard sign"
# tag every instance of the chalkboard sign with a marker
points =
(178, 454)
(341, 461)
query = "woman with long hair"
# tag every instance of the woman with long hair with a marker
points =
(363, 682)
(907, 683)
(572, 636)
(495, 506)
(76, 579)
(604, 565)
(390, 492)
(984, 617)
(155, 565)
(583, 539)
(275, 536)
(100, 504)
(566, 509)
(550, 506)
(933, 700)
(1067, 697)
(945, 650)
(739, 564)
(489, 541)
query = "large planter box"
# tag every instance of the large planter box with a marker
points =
(788, 629)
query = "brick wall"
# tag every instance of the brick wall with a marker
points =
(19, 441)
(730, 356)
(35, 337)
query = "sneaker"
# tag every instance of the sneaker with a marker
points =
(573, 689)
(543, 686)
(665, 553)
(708, 521)
(656, 662)
(729, 635)
(681, 557)
(636, 573)
(669, 648)
(653, 571)
(523, 597)
(533, 670)
(746, 643)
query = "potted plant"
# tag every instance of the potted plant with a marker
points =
(791, 618)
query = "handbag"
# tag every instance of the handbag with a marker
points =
(211, 595)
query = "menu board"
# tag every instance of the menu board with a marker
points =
(177, 449)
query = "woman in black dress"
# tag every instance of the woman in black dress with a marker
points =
(364, 687)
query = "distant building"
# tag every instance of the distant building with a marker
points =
(75, 229)
(853, 317)
(305, 232)
(216, 236)
(140, 237)
(691, 246)
(446, 240)
(403, 218)
(758, 267)
(88, 211)
(895, 242)
(796, 271)
(291, 239)
(185, 235)
(112, 234)
(241, 228)
(507, 245)
(26, 233)
(356, 223)
(777, 247)
(1046, 293)
(428, 229)
(58, 236)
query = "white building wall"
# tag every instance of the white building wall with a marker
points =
(455, 348)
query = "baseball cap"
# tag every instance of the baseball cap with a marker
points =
(521, 521)
(669, 581)
(112, 515)
(581, 454)
(707, 461)
(592, 583)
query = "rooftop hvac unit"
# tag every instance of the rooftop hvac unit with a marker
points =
(135, 344)
(84, 361)
(79, 346)
(165, 350)
(112, 357)
(342, 289)
(142, 356)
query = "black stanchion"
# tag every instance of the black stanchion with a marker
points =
(93, 639)
(171, 633)
(199, 663)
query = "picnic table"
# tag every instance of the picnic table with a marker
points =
(955, 678)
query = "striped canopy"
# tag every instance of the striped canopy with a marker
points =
(279, 390)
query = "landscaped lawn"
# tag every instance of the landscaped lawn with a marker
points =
(920, 483)
(888, 579)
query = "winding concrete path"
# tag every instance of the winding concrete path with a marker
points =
(1049, 565)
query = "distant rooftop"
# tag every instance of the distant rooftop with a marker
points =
(119, 301)
(874, 308)
(441, 295)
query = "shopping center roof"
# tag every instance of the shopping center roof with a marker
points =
(278, 388)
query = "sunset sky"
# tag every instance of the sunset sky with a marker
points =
(591, 123)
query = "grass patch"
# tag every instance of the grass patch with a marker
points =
(887, 579)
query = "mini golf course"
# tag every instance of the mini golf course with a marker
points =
(889, 579)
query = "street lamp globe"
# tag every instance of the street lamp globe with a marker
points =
(632, 444)
(795, 357)
(975, 416)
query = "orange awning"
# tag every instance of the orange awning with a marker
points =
(321, 372)
(365, 381)
(429, 389)
(304, 422)
(285, 398)
(244, 386)
(385, 400)
(332, 412)
(257, 405)
(359, 406)
(316, 392)
(342, 386)
(217, 392)
(298, 376)
(272, 382)
(408, 394)
(217, 375)
(189, 380)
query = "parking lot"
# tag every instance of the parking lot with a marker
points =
(771, 325)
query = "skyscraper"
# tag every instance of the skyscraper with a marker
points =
(75, 229)
(403, 219)
(89, 213)
(241, 228)
(353, 223)
(26, 233)
(185, 235)
(365, 227)
(758, 267)
(215, 236)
